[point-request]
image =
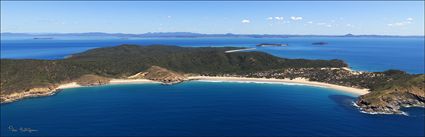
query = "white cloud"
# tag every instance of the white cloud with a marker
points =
(324, 24)
(296, 18)
(168, 16)
(310, 22)
(245, 21)
(399, 24)
(278, 18)
(404, 23)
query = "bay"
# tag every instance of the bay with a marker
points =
(203, 108)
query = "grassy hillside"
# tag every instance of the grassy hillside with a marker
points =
(391, 96)
(125, 60)
(133, 59)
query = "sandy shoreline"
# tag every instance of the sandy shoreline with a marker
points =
(111, 82)
(132, 81)
(238, 50)
(36, 92)
(302, 81)
(69, 85)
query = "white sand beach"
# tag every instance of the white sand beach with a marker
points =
(112, 81)
(356, 91)
(69, 85)
(131, 81)
(35, 92)
(239, 50)
(302, 81)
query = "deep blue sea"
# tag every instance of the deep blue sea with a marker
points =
(361, 53)
(213, 108)
(203, 108)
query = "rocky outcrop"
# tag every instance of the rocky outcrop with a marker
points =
(92, 80)
(390, 104)
(33, 92)
(409, 93)
(160, 74)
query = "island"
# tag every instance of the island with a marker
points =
(380, 92)
(42, 38)
(319, 43)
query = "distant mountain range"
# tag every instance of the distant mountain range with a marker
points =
(182, 34)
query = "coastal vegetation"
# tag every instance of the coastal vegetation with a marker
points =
(390, 90)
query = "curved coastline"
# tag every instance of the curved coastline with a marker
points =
(48, 91)
(299, 81)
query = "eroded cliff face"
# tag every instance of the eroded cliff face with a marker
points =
(50, 89)
(33, 92)
(406, 93)
(92, 80)
(160, 74)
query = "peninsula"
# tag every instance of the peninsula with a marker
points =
(271, 45)
(380, 92)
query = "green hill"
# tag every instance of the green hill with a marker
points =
(125, 60)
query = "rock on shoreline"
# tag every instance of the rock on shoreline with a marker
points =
(160, 74)
(390, 107)
(34, 92)
(409, 93)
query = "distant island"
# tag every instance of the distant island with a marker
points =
(381, 92)
(319, 43)
(42, 38)
(179, 35)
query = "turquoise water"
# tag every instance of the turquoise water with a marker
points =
(361, 53)
(203, 108)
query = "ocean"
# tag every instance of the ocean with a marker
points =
(215, 108)
(203, 108)
(361, 53)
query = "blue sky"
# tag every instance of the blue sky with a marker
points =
(273, 17)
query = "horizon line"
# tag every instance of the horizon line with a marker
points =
(228, 33)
